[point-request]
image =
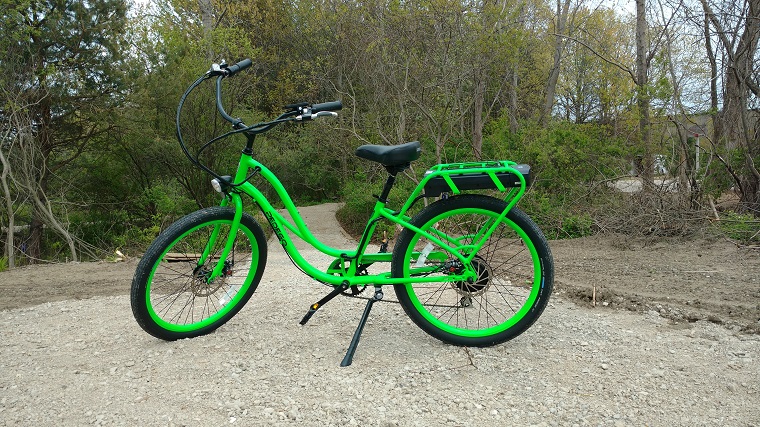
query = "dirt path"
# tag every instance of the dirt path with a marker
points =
(684, 281)
(73, 355)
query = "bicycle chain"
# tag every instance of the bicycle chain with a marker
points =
(363, 271)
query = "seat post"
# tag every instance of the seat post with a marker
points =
(393, 170)
(387, 188)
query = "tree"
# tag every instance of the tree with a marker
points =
(738, 29)
(562, 28)
(591, 89)
(643, 94)
(17, 128)
(71, 53)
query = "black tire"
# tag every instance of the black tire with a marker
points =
(515, 273)
(171, 298)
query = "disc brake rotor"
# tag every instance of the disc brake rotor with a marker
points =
(481, 283)
(200, 285)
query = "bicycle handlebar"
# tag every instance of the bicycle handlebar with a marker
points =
(302, 111)
(240, 66)
(327, 106)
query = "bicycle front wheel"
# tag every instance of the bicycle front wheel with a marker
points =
(514, 267)
(172, 296)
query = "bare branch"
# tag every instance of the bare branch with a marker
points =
(599, 55)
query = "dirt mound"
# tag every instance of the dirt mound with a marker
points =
(685, 281)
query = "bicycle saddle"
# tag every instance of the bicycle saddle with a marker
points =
(391, 155)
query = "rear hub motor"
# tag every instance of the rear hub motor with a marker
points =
(481, 283)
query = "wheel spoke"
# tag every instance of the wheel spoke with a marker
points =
(506, 277)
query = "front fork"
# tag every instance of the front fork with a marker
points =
(219, 268)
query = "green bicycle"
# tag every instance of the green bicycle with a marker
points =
(468, 269)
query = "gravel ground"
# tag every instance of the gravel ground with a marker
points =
(86, 362)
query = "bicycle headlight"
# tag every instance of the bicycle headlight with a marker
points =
(217, 185)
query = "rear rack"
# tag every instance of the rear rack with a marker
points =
(457, 177)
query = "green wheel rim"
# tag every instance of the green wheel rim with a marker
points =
(502, 326)
(222, 311)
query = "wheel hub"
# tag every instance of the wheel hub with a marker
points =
(482, 281)
(200, 285)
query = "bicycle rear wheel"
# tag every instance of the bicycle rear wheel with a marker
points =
(171, 295)
(514, 267)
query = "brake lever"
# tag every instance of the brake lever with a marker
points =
(316, 115)
(218, 69)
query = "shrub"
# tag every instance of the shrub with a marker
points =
(742, 227)
(358, 195)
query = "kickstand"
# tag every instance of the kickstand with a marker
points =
(363, 321)
(316, 306)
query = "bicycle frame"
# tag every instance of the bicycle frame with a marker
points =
(485, 272)
(340, 273)
(348, 268)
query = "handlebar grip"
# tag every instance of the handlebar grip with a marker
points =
(327, 106)
(240, 66)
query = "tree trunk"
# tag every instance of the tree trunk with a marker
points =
(737, 86)
(35, 165)
(735, 123)
(716, 120)
(36, 153)
(477, 115)
(642, 101)
(688, 188)
(9, 241)
(559, 46)
(513, 101)
(207, 19)
(43, 208)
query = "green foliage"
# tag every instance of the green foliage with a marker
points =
(562, 154)
(590, 89)
(568, 163)
(3, 263)
(558, 217)
(742, 227)
(132, 224)
(405, 71)
(567, 160)
(165, 202)
(359, 200)
(62, 79)
(578, 225)
(357, 209)
(312, 161)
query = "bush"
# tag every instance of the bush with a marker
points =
(567, 160)
(557, 219)
(741, 227)
(357, 209)
(563, 154)
(359, 201)
(312, 162)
